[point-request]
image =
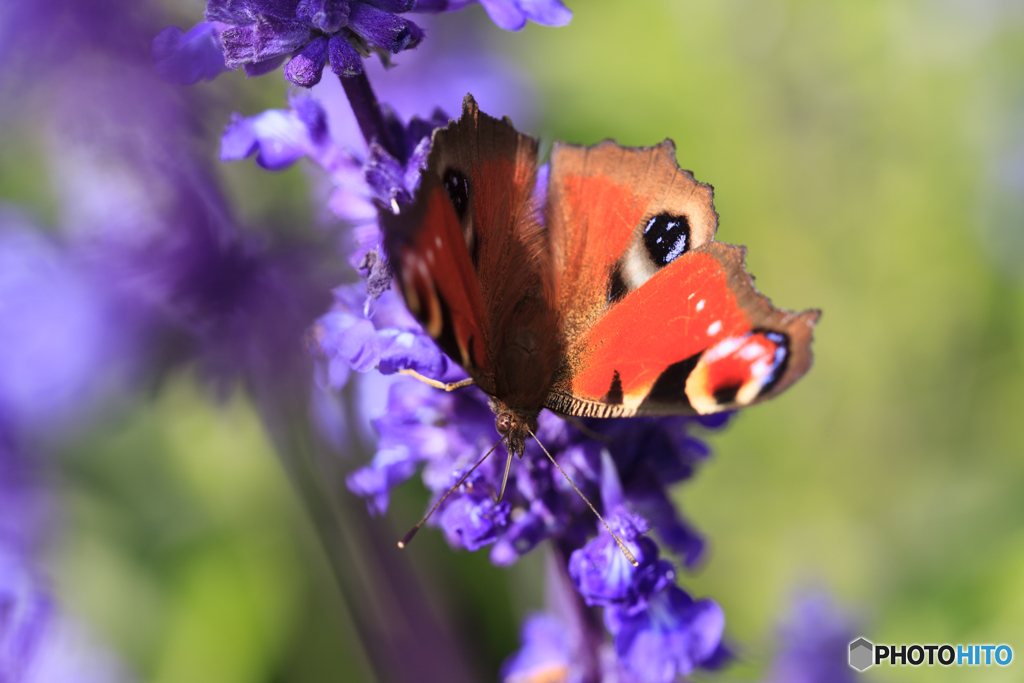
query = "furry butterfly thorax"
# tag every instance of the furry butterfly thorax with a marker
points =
(591, 286)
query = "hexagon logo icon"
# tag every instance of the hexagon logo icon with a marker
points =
(861, 654)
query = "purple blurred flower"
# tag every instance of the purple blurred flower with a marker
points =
(814, 642)
(671, 637)
(237, 300)
(468, 63)
(546, 654)
(37, 643)
(187, 58)
(65, 337)
(26, 611)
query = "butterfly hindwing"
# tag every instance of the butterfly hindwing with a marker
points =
(696, 338)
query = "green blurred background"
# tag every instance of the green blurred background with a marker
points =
(871, 157)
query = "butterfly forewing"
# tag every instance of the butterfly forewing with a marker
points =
(616, 216)
(476, 196)
(433, 270)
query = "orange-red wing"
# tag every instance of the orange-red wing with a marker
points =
(696, 338)
(616, 216)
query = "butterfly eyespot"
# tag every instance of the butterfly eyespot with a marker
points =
(737, 370)
(457, 187)
(666, 238)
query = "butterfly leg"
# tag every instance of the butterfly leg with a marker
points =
(447, 386)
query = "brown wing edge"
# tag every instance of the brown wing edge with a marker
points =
(665, 151)
(798, 326)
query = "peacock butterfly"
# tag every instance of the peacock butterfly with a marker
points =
(591, 286)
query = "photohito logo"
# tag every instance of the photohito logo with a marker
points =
(864, 654)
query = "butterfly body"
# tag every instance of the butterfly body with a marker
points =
(592, 287)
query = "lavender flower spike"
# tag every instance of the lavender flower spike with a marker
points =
(510, 15)
(260, 35)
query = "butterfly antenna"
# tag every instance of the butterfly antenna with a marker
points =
(412, 532)
(618, 541)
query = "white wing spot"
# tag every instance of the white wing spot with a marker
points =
(700, 305)
(437, 242)
(714, 328)
(430, 256)
(691, 296)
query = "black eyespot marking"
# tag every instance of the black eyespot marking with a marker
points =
(727, 394)
(781, 340)
(616, 285)
(667, 237)
(614, 395)
(457, 186)
(670, 386)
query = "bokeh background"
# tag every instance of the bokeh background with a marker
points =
(870, 155)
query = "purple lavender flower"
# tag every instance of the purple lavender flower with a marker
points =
(260, 35)
(278, 138)
(604, 576)
(449, 432)
(510, 15)
(386, 337)
(671, 637)
(474, 519)
(814, 642)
